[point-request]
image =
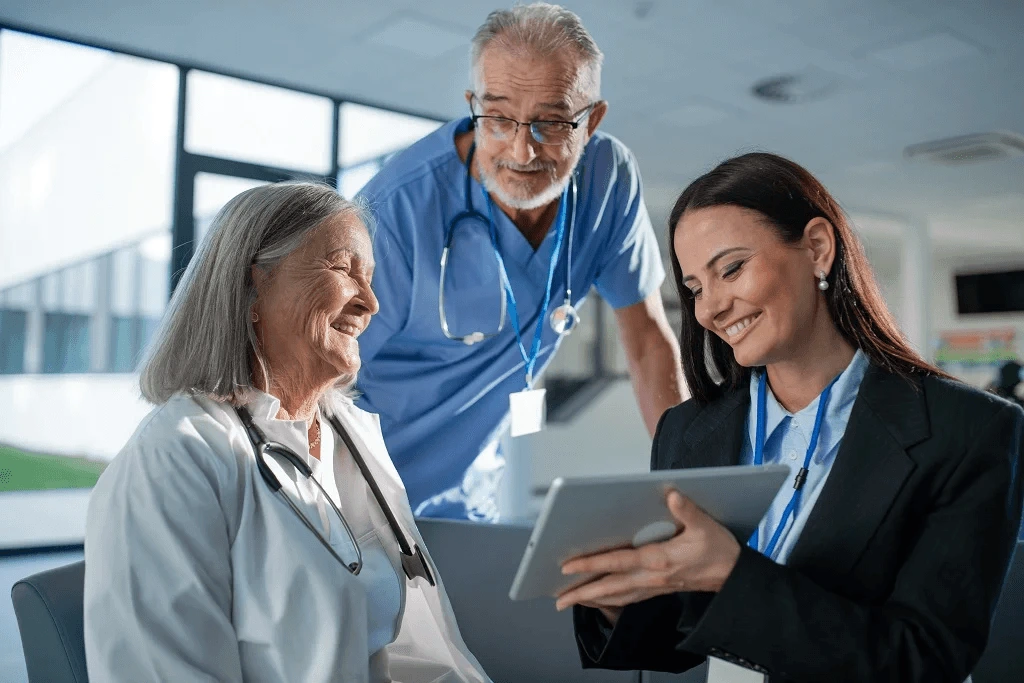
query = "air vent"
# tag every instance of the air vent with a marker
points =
(968, 149)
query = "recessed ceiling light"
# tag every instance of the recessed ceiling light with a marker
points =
(804, 86)
(420, 37)
(968, 149)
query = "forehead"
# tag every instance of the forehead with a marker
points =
(702, 233)
(342, 231)
(520, 76)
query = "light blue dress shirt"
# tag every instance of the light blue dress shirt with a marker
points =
(443, 403)
(787, 437)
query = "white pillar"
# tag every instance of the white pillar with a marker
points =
(916, 286)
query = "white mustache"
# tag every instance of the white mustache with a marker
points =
(525, 168)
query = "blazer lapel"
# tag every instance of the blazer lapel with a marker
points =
(888, 417)
(715, 436)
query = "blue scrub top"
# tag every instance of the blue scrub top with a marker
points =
(441, 402)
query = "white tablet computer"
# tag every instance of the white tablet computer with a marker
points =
(582, 516)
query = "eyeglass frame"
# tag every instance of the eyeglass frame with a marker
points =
(581, 115)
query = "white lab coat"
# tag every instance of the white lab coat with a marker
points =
(195, 571)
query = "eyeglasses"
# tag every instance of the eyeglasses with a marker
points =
(543, 132)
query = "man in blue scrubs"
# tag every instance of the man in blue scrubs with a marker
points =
(536, 106)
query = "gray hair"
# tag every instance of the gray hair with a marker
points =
(542, 28)
(206, 343)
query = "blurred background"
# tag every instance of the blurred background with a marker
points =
(126, 124)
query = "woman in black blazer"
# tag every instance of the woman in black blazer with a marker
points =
(897, 569)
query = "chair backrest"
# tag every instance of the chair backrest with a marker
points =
(49, 610)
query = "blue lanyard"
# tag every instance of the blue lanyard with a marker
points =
(801, 476)
(530, 359)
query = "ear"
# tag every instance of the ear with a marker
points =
(820, 240)
(596, 114)
(469, 99)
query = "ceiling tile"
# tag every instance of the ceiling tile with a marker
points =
(420, 37)
(930, 50)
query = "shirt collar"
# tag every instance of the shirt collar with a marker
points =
(837, 412)
(293, 434)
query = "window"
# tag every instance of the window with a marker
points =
(368, 137)
(13, 324)
(66, 343)
(87, 150)
(244, 121)
(88, 146)
(79, 179)
(212, 192)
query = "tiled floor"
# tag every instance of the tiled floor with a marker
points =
(12, 663)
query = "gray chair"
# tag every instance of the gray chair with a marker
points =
(49, 610)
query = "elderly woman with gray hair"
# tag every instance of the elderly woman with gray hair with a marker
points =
(254, 528)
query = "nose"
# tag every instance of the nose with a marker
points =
(364, 300)
(523, 145)
(713, 305)
(370, 300)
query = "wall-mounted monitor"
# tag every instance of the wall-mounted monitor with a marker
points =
(995, 292)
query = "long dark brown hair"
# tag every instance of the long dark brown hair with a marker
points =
(788, 197)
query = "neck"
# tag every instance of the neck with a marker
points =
(532, 223)
(298, 398)
(797, 381)
(296, 405)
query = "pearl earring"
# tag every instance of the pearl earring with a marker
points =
(822, 282)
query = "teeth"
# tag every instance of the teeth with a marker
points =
(736, 328)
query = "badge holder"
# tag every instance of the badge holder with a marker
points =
(527, 408)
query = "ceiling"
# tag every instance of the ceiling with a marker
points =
(678, 75)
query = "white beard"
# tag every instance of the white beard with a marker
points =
(549, 194)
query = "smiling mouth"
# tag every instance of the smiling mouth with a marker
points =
(344, 328)
(736, 329)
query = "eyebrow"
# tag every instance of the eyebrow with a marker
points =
(346, 251)
(343, 251)
(555, 106)
(714, 259)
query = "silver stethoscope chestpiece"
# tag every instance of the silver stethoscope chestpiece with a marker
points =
(564, 319)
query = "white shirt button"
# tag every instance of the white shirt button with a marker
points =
(792, 455)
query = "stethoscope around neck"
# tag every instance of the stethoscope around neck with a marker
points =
(413, 562)
(562, 320)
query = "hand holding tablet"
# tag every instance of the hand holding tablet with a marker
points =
(586, 516)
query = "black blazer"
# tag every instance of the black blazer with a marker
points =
(896, 574)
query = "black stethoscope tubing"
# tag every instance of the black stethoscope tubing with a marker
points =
(413, 561)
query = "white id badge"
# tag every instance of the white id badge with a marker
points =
(721, 671)
(527, 407)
